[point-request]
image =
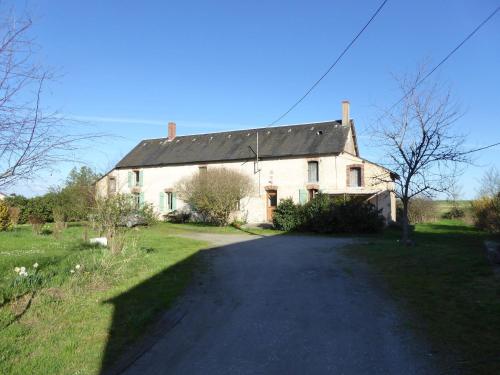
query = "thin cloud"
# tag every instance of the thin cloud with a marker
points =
(181, 124)
(116, 120)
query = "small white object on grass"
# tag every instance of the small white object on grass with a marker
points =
(103, 241)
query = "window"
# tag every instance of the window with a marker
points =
(137, 178)
(355, 177)
(312, 171)
(170, 201)
(312, 193)
(136, 200)
(202, 169)
(112, 185)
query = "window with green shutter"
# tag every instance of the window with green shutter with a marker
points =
(174, 201)
(162, 201)
(302, 196)
(141, 200)
(130, 178)
(141, 178)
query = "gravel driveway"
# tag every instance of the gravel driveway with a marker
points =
(284, 305)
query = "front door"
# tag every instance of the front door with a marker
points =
(272, 202)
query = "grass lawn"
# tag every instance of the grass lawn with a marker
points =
(449, 286)
(75, 322)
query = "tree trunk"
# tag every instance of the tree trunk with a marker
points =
(406, 225)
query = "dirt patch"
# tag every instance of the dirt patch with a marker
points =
(54, 293)
(20, 304)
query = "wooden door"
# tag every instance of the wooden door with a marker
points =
(272, 202)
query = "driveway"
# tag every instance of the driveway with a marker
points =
(283, 305)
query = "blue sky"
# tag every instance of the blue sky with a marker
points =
(127, 68)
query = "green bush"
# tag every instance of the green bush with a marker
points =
(286, 215)
(486, 213)
(326, 215)
(19, 202)
(5, 223)
(454, 213)
(42, 207)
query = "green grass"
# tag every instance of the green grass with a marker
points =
(76, 322)
(447, 283)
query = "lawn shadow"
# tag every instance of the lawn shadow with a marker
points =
(134, 309)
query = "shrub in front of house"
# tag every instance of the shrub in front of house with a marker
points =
(214, 194)
(318, 215)
(286, 215)
(324, 214)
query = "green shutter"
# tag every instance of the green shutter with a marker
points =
(174, 201)
(140, 178)
(130, 179)
(141, 200)
(162, 201)
(302, 196)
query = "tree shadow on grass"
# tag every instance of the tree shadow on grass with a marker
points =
(139, 306)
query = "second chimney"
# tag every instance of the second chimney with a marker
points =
(171, 131)
(345, 113)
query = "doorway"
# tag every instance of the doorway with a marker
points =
(272, 202)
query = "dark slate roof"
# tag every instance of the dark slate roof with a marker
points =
(274, 142)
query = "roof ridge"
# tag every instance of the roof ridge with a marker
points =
(246, 130)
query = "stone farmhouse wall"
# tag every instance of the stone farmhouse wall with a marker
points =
(289, 176)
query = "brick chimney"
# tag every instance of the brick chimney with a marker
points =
(345, 113)
(171, 131)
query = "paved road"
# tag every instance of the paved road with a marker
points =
(284, 305)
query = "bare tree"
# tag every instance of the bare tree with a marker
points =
(490, 183)
(215, 193)
(32, 138)
(420, 143)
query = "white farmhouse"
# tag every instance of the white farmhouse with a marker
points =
(294, 161)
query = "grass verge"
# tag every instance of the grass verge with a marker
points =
(446, 281)
(73, 323)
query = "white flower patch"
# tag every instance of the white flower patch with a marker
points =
(35, 265)
(77, 267)
(21, 271)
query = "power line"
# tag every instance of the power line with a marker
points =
(480, 149)
(333, 65)
(443, 60)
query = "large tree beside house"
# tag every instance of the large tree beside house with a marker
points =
(289, 161)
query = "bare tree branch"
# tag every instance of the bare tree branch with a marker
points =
(32, 138)
(419, 142)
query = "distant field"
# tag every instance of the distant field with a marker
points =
(445, 205)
